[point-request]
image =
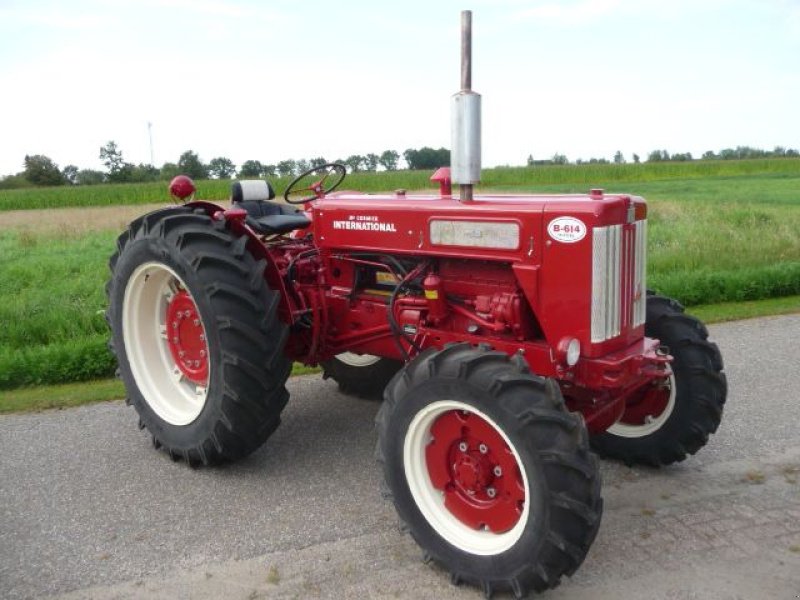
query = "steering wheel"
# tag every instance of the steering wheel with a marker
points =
(316, 181)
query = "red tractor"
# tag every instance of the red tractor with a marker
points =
(511, 335)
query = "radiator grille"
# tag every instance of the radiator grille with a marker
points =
(618, 279)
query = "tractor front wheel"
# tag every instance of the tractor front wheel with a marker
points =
(363, 375)
(491, 474)
(197, 337)
(672, 418)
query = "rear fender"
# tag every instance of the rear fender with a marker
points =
(259, 251)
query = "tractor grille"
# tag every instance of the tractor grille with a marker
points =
(618, 279)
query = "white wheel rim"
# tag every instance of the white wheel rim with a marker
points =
(352, 359)
(164, 387)
(430, 500)
(652, 425)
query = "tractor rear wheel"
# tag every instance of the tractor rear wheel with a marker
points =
(197, 338)
(363, 375)
(673, 418)
(490, 472)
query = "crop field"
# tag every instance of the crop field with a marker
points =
(527, 178)
(726, 235)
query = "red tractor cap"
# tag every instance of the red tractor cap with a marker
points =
(181, 188)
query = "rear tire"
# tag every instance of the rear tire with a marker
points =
(205, 412)
(362, 375)
(491, 474)
(698, 393)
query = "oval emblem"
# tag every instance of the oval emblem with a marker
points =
(567, 230)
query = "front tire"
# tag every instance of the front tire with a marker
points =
(197, 338)
(492, 475)
(362, 375)
(674, 418)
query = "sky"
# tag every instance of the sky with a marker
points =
(276, 79)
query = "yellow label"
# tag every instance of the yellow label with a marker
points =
(431, 294)
(385, 277)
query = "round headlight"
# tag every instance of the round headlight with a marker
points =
(569, 351)
(573, 352)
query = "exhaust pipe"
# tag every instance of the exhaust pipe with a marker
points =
(465, 122)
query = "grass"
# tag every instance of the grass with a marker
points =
(734, 311)
(51, 307)
(66, 395)
(42, 397)
(583, 176)
(60, 396)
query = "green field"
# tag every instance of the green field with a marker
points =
(719, 232)
(527, 178)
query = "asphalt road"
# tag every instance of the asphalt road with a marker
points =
(89, 510)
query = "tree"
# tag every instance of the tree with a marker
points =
(371, 162)
(112, 157)
(619, 158)
(251, 168)
(636, 159)
(13, 182)
(169, 170)
(41, 170)
(427, 158)
(658, 156)
(118, 170)
(70, 174)
(355, 162)
(191, 165)
(286, 167)
(317, 162)
(708, 155)
(143, 172)
(221, 167)
(269, 170)
(530, 162)
(302, 165)
(560, 159)
(681, 156)
(89, 177)
(388, 160)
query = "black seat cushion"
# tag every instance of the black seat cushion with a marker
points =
(273, 224)
(272, 218)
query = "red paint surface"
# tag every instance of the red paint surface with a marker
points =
(473, 492)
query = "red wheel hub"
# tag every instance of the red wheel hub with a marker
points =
(472, 464)
(650, 401)
(186, 337)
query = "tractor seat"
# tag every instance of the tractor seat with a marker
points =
(263, 216)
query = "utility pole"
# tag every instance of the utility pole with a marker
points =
(150, 135)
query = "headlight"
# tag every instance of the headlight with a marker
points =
(569, 351)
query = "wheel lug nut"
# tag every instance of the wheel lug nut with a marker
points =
(196, 322)
(497, 471)
(197, 363)
(182, 353)
(463, 446)
(483, 449)
(202, 353)
(174, 324)
(175, 340)
(202, 337)
(491, 492)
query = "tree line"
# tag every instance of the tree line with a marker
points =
(738, 153)
(40, 170)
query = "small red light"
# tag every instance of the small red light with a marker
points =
(181, 188)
